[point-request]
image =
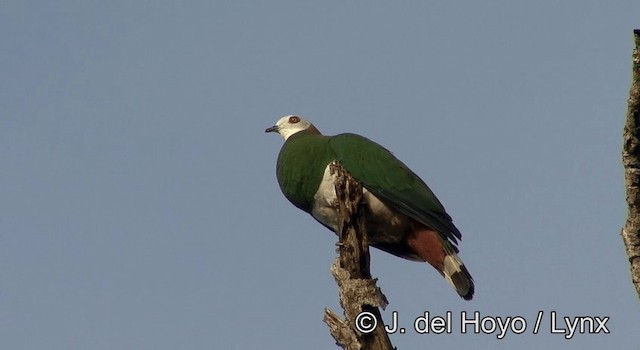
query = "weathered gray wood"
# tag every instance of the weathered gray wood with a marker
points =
(631, 161)
(358, 291)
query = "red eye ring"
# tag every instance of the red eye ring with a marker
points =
(294, 119)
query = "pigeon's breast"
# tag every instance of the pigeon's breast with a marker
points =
(384, 224)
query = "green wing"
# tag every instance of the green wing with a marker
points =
(389, 179)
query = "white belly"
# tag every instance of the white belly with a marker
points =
(383, 223)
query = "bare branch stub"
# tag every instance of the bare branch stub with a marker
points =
(631, 162)
(358, 291)
(353, 240)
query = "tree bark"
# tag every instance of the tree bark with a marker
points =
(631, 162)
(358, 291)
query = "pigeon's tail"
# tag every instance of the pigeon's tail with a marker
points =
(458, 276)
(432, 248)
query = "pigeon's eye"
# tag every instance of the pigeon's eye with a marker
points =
(294, 119)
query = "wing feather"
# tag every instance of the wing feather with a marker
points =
(392, 181)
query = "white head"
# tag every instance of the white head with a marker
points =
(291, 124)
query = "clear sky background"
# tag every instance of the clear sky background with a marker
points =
(138, 202)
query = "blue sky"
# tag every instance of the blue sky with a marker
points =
(138, 201)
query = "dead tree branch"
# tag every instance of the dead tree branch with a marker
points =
(358, 291)
(631, 161)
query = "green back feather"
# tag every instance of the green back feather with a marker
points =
(305, 155)
(391, 180)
